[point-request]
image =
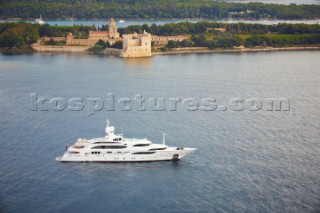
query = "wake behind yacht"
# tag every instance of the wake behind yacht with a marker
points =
(116, 148)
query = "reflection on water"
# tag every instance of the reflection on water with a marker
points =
(143, 63)
(111, 170)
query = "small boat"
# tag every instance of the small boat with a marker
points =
(116, 148)
(39, 20)
(121, 21)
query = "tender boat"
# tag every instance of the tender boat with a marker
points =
(116, 148)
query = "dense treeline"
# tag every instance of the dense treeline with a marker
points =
(281, 40)
(17, 37)
(228, 41)
(56, 31)
(146, 9)
(234, 28)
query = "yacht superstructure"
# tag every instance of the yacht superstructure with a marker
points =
(116, 148)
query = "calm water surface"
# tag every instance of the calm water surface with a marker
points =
(247, 161)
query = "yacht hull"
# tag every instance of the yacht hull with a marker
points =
(126, 157)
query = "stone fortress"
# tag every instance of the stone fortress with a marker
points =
(134, 45)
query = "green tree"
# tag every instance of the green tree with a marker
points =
(96, 49)
(117, 44)
(171, 44)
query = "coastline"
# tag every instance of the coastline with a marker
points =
(69, 49)
(199, 50)
(266, 49)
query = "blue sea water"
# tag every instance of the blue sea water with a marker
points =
(99, 23)
(247, 161)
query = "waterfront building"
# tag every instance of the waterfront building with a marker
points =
(110, 36)
(163, 40)
(220, 29)
(136, 45)
(98, 34)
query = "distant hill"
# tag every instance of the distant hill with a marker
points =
(152, 9)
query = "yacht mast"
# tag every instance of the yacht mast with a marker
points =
(164, 138)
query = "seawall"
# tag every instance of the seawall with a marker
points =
(48, 48)
(205, 50)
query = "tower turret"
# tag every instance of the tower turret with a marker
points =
(113, 34)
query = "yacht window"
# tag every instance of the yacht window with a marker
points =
(77, 147)
(141, 144)
(109, 147)
(158, 149)
(106, 142)
(73, 152)
(143, 153)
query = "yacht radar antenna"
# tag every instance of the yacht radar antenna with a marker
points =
(107, 127)
(164, 138)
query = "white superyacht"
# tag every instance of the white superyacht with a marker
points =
(115, 148)
(39, 20)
